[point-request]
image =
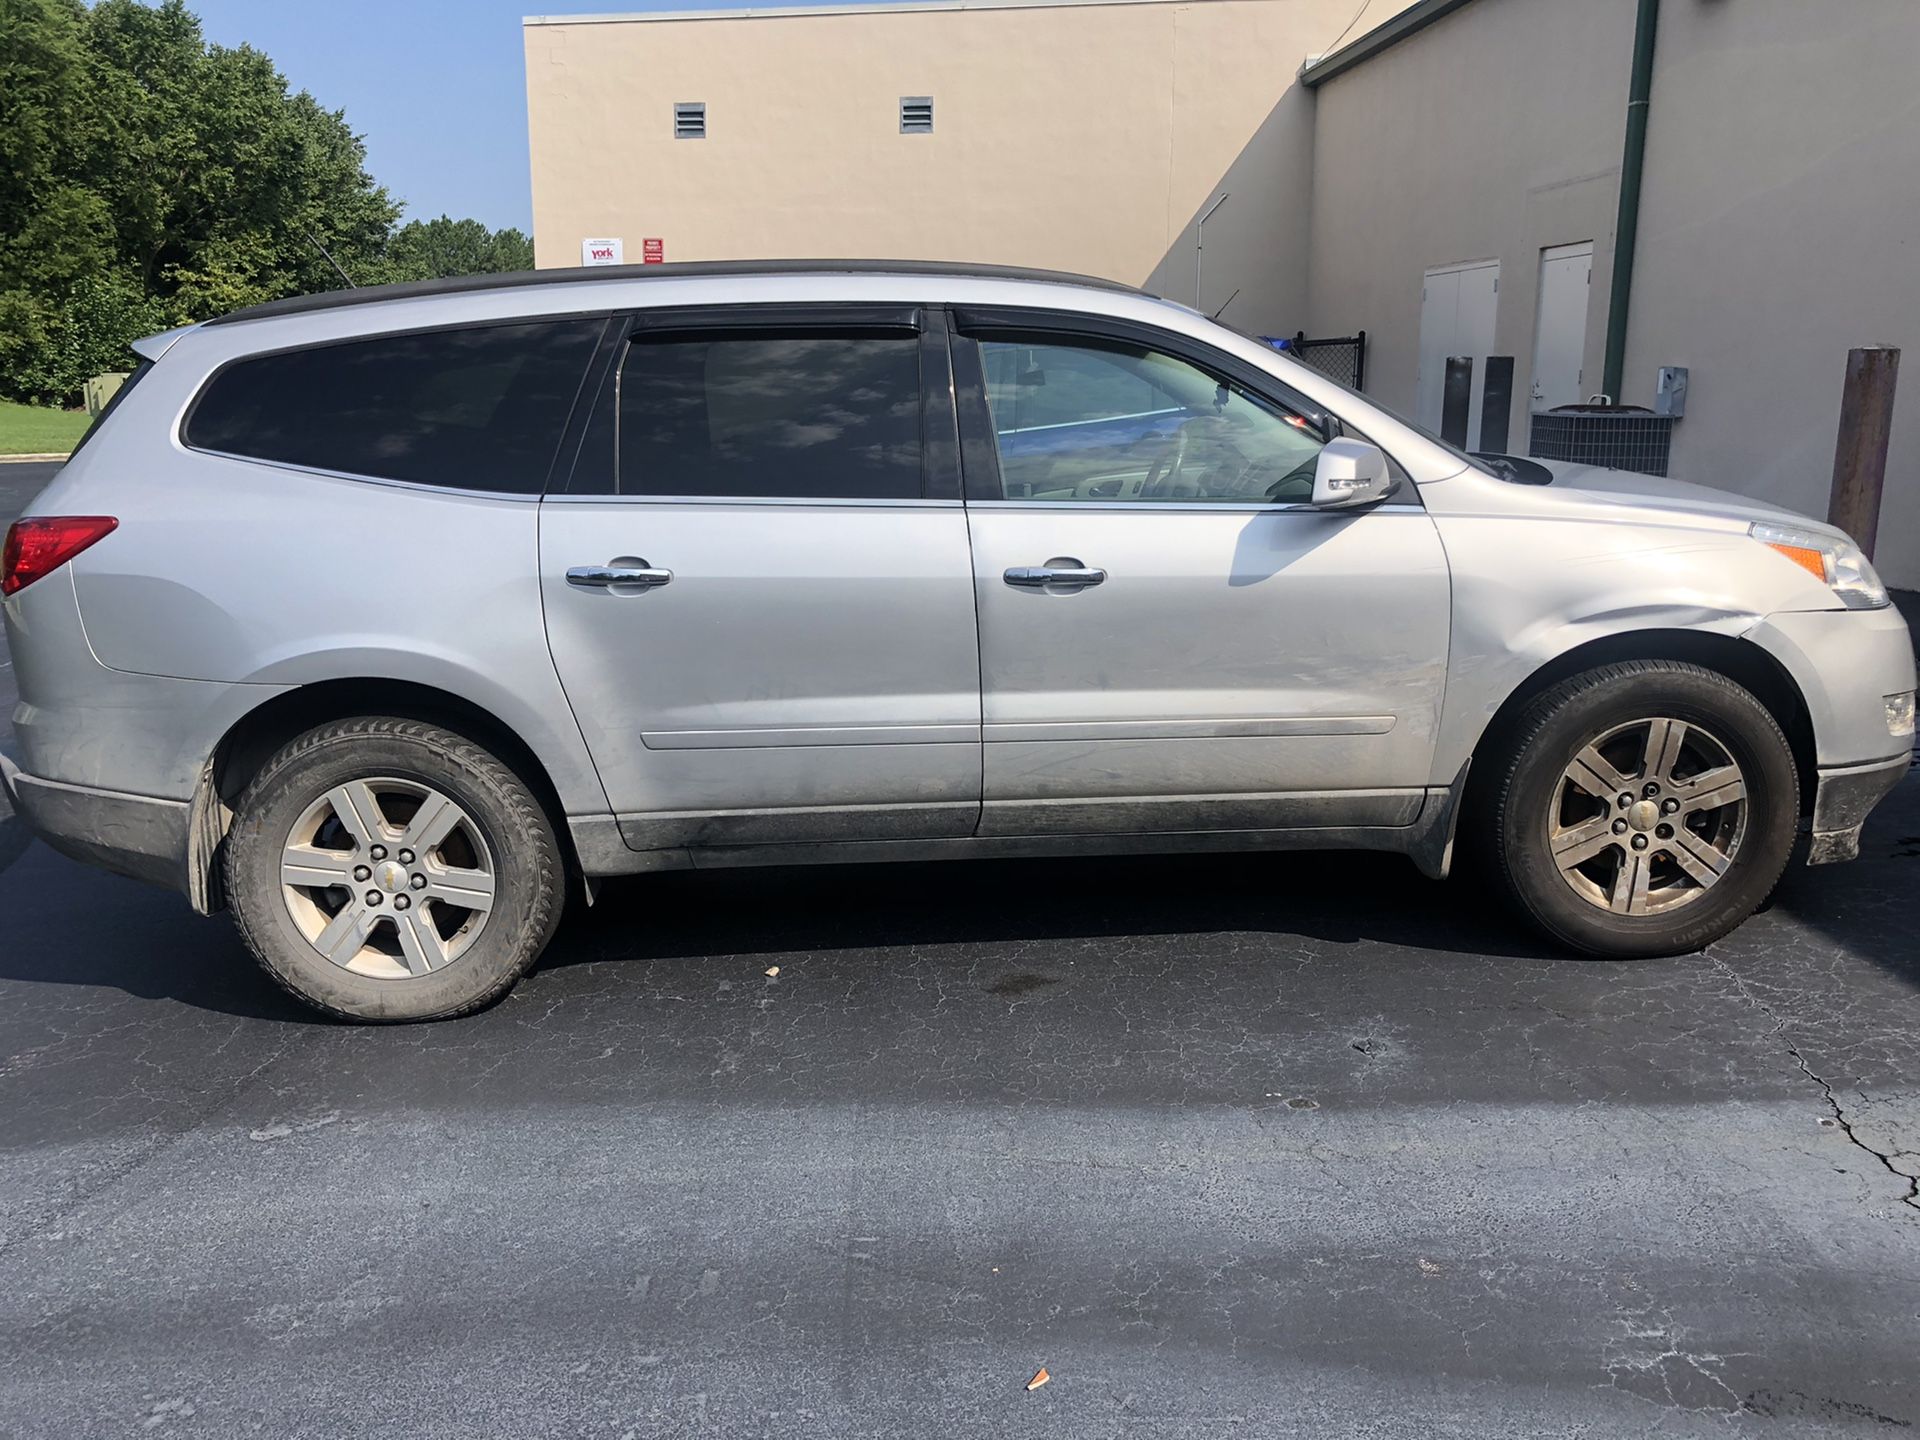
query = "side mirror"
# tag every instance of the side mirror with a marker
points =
(1350, 473)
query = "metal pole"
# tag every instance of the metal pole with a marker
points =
(1627, 224)
(1860, 455)
(1199, 231)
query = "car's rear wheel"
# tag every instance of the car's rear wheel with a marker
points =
(1644, 808)
(386, 869)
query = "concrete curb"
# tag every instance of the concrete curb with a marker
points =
(30, 459)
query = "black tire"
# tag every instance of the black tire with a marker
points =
(1559, 724)
(529, 873)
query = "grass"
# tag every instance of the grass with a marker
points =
(36, 430)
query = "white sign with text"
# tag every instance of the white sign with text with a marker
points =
(602, 252)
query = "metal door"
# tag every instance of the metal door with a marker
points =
(755, 657)
(1560, 326)
(1458, 307)
(1157, 666)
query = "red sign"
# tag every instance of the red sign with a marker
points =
(653, 252)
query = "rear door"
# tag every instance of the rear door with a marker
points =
(758, 585)
(1171, 638)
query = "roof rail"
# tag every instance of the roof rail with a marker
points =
(467, 284)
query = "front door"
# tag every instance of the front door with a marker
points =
(757, 585)
(1170, 639)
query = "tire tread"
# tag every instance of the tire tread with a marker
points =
(487, 772)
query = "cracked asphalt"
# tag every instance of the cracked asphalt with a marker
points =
(1272, 1146)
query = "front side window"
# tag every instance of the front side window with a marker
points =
(476, 409)
(1092, 420)
(771, 416)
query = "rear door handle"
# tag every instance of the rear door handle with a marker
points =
(623, 576)
(1062, 572)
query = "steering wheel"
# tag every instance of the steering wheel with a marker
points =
(1168, 461)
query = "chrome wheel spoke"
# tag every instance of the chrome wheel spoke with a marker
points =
(1630, 882)
(309, 866)
(345, 936)
(420, 942)
(469, 889)
(358, 809)
(1579, 843)
(436, 819)
(1697, 856)
(1664, 739)
(1711, 789)
(1596, 775)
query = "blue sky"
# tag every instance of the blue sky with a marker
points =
(437, 87)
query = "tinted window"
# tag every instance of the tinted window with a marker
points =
(805, 417)
(1092, 420)
(479, 409)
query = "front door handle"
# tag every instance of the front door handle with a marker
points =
(624, 576)
(1062, 572)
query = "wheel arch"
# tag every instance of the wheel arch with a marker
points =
(1741, 661)
(253, 739)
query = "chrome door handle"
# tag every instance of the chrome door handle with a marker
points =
(1062, 571)
(622, 576)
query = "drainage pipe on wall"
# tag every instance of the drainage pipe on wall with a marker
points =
(1632, 165)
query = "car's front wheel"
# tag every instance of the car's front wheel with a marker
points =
(387, 869)
(1644, 808)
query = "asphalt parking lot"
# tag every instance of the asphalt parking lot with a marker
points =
(1295, 1145)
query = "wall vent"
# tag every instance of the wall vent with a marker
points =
(690, 120)
(916, 114)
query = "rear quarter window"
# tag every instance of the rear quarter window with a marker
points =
(471, 409)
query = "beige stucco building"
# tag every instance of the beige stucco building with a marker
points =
(1445, 177)
(1083, 135)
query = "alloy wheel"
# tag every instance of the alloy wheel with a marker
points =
(1648, 817)
(388, 878)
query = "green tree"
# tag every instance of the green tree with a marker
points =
(148, 178)
(431, 249)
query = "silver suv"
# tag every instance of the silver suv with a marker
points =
(384, 617)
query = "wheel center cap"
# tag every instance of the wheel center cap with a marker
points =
(1643, 815)
(390, 877)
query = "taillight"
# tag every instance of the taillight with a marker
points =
(43, 543)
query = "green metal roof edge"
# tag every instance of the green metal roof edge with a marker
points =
(1408, 22)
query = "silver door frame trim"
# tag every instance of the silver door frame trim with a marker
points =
(756, 502)
(1160, 507)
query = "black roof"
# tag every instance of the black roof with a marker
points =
(463, 284)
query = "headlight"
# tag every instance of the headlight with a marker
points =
(1834, 560)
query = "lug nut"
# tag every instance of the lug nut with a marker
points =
(419, 882)
(406, 857)
(373, 897)
(1639, 842)
(378, 852)
(1650, 790)
(401, 902)
(1669, 806)
(1625, 801)
(362, 873)
(1619, 827)
(1665, 832)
